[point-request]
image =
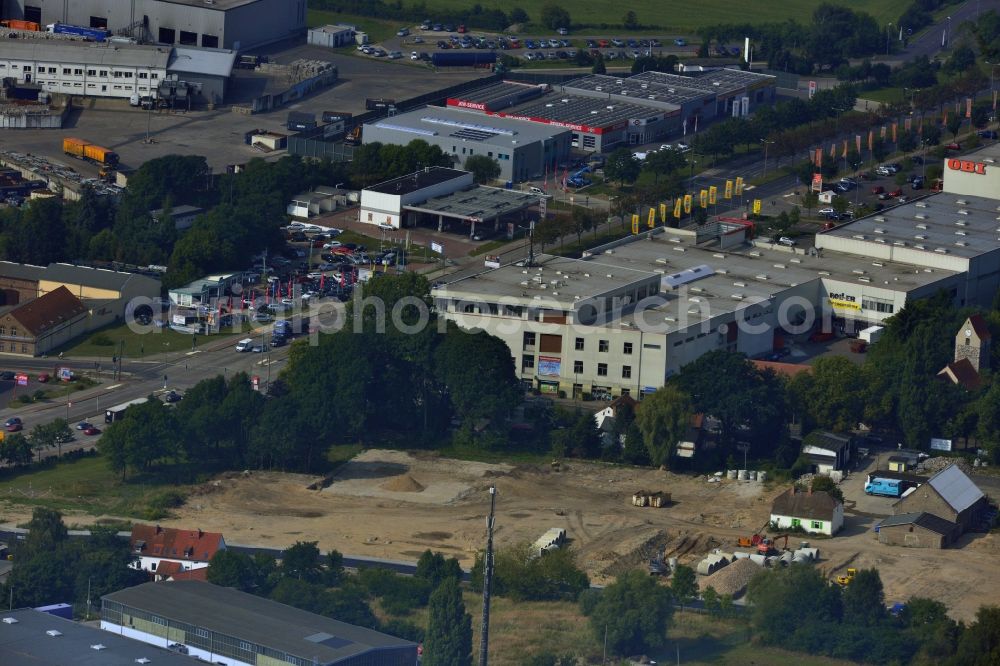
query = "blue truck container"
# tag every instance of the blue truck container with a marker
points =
(884, 487)
(462, 58)
(96, 34)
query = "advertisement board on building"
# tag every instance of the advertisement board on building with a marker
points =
(437, 247)
(180, 320)
(22, 379)
(64, 374)
(549, 365)
(940, 444)
(492, 261)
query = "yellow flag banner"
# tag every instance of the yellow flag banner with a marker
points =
(703, 198)
(968, 107)
(651, 221)
(895, 127)
(728, 193)
(635, 223)
(844, 154)
(713, 194)
(882, 133)
(756, 206)
(663, 213)
(687, 204)
(677, 208)
(739, 186)
(871, 139)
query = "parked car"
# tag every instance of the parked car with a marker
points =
(826, 211)
(14, 420)
(83, 425)
(44, 377)
(987, 134)
(15, 427)
(878, 189)
(7, 375)
(896, 193)
(92, 430)
(172, 396)
(954, 145)
(785, 240)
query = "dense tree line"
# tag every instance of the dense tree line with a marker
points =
(369, 380)
(799, 609)
(485, 18)
(523, 574)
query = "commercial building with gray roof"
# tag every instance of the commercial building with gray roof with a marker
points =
(111, 69)
(628, 315)
(524, 150)
(224, 625)
(605, 112)
(231, 24)
(29, 636)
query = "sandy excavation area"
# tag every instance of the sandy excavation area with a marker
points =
(395, 504)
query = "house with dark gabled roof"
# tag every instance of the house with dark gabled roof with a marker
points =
(917, 530)
(165, 551)
(950, 494)
(816, 512)
(828, 451)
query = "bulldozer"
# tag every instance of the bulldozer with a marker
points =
(846, 580)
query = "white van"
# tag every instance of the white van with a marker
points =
(244, 345)
(536, 190)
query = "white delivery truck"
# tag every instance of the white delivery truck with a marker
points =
(244, 345)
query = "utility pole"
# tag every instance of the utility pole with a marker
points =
(484, 634)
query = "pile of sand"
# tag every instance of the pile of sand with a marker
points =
(732, 579)
(404, 483)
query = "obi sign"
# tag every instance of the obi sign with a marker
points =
(968, 166)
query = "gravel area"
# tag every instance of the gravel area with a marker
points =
(731, 580)
(932, 466)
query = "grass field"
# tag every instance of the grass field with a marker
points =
(85, 484)
(682, 16)
(137, 345)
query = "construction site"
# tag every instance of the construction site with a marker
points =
(411, 502)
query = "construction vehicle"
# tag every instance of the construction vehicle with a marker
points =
(353, 137)
(91, 152)
(767, 545)
(846, 580)
(752, 541)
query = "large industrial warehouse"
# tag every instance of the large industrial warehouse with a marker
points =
(605, 112)
(118, 70)
(231, 24)
(522, 149)
(627, 316)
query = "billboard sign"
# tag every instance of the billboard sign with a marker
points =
(549, 365)
(940, 444)
(21, 379)
(437, 247)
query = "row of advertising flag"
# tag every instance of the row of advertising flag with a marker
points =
(683, 204)
(890, 129)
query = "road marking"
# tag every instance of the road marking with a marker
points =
(196, 351)
(113, 386)
(748, 188)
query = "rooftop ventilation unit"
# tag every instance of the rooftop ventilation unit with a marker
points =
(825, 273)
(961, 223)
(10, 620)
(661, 260)
(961, 202)
(899, 243)
(680, 249)
(779, 265)
(923, 204)
(795, 261)
(719, 256)
(763, 276)
(98, 647)
(921, 236)
(879, 230)
(859, 237)
(920, 216)
(941, 250)
(740, 284)
(961, 233)
(864, 279)
(54, 633)
(921, 226)
(722, 271)
(878, 264)
(858, 271)
(879, 218)
(963, 212)
(597, 88)
(737, 297)
(142, 660)
(920, 247)
(880, 241)
(754, 254)
(962, 243)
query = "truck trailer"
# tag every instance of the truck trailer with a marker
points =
(95, 34)
(91, 152)
(15, 24)
(888, 487)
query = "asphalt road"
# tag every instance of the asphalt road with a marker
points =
(930, 41)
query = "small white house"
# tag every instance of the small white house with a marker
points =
(164, 551)
(829, 451)
(815, 512)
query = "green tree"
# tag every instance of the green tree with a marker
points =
(302, 561)
(518, 15)
(793, 606)
(231, 569)
(634, 613)
(826, 484)
(683, 585)
(832, 396)
(663, 162)
(864, 599)
(955, 124)
(484, 169)
(555, 17)
(599, 67)
(663, 418)
(16, 449)
(622, 166)
(711, 600)
(630, 21)
(809, 200)
(980, 642)
(434, 568)
(143, 436)
(449, 628)
(839, 204)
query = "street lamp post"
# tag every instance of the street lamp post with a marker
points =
(888, 32)
(766, 144)
(947, 40)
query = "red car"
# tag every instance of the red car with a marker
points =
(896, 193)
(15, 427)
(878, 189)
(92, 431)
(954, 145)
(44, 377)
(603, 43)
(829, 225)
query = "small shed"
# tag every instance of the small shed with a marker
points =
(917, 530)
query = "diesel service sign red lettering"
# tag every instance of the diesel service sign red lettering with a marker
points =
(967, 166)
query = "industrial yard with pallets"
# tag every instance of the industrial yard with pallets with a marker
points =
(414, 501)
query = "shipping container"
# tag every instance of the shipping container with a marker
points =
(89, 151)
(331, 116)
(298, 121)
(15, 24)
(462, 58)
(96, 34)
(377, 103)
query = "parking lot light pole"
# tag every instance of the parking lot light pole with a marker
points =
(766, 144)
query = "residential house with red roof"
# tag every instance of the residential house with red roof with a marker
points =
(165, 551)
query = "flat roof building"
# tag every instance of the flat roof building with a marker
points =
(605, 112)
(231, 24)
(524, 150)
(224, 625)
(117, 70)
(439, 193)
(29, 636)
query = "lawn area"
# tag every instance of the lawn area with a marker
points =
(87, 484)
(377, 29)
(684, 16)
(137, 344)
